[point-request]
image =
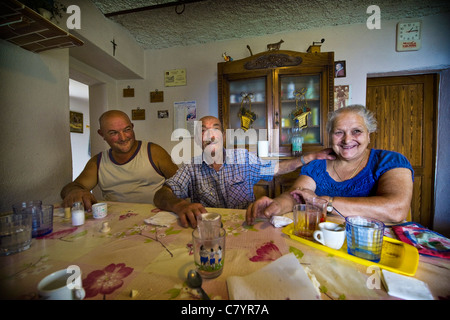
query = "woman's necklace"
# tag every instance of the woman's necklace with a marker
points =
(354, 172)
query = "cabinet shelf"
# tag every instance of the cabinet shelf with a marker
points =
(253, 102)
(29, 30)
(293, 100)
(309, 127)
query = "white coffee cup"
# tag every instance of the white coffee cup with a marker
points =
(99, 210)
(330, 234)
(62, 285)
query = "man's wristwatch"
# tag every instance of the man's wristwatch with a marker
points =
(330, 205)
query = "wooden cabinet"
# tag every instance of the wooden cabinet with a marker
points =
(29, 30)
(273, 80)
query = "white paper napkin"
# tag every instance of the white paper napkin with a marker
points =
(280, 221)
(405, 287)
(282, 279)
(162, 219)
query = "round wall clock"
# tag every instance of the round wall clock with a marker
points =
(409, 35)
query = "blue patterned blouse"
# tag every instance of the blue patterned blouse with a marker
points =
(364, 184)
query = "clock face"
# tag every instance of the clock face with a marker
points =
(409, 36)
(409, 31)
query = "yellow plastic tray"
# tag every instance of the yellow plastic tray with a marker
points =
(396, 256)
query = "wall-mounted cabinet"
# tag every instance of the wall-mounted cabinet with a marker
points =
(274, 78)
(29, 30)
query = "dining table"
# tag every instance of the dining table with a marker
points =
(137, 260)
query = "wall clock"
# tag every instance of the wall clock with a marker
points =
(409, 35)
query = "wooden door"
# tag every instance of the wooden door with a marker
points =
(405, 108)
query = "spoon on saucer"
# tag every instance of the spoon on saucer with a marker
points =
(194, 281)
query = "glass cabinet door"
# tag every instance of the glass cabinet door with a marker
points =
(256, 89)
(290, 87)
(274, 79)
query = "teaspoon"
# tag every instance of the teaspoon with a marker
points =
(194, 281)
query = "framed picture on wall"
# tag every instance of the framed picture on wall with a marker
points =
(76, 122)
(339, 69)
(341, 96)
(163, 114)
(138, 114)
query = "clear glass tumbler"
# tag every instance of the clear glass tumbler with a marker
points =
(306, 220)
(15, 233)
(42, 216)
(209, 254)
(364, 237)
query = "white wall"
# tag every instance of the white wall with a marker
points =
(35, 157)
(98, 31)
(366, 52)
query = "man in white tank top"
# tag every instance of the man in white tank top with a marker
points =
(131, 171)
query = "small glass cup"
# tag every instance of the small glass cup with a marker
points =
(15, 233)
(364, 237)
(46, 223)
(320, 205)
(209, 254)
(42, 216)
(306, 220)
(209, 224)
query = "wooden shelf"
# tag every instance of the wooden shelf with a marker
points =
(29, 30)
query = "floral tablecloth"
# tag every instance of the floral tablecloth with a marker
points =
(136, 260)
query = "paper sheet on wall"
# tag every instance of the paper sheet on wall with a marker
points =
(176, 77)
(185, 113)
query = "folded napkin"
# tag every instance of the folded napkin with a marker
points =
(282, 279)
(162, 219)
(280, 221)
(404, 287)
(426, 241)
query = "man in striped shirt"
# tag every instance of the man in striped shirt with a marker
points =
(221, 178)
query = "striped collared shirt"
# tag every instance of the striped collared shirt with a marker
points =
(230, 187)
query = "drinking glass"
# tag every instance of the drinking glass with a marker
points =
(15, 233)
(42, 216)
(209, 254)
(306, 220)
(320, 205)
(364, 237)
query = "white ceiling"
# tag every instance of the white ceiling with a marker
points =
(215, 20)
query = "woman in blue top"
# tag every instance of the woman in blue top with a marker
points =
(361, 181)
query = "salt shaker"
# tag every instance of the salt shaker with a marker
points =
(77, 214)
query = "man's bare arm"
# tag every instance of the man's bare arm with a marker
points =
(80, 189)
(286, 166)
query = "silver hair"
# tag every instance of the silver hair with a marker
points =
(368, 116)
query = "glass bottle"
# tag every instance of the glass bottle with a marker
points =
(77, 214)
(297, 140)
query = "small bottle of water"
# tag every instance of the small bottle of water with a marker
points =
(77, 214)
(297, 140)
